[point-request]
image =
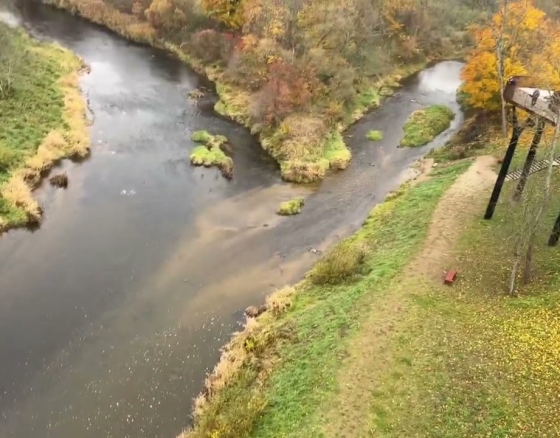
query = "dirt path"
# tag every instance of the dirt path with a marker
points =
(369, 354)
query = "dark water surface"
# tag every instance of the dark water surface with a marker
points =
(112, 312)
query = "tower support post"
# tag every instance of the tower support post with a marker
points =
(555, 234)
(529, 160)
(495, 196)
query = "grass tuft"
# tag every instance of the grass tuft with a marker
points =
(60, 180)
(374, 135)
(426, 124)
(342, 263)
(291, 207)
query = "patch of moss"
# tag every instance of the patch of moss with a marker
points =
(210, 152)
(374, 135)
(426, 124)
(291, 207)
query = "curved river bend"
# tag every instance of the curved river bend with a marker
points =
(112, 312)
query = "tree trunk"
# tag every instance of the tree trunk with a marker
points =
(501, 76)
(529, 260)
(504, 109)
(515, 267)
(500, 58)
(538, 217)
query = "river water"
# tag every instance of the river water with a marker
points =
(115, 308)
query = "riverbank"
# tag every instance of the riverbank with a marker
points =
(42, 120)
(305, 144)
(286, 361)
(372, 343)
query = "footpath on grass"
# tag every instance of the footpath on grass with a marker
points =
(372, 344)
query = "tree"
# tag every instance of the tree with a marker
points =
(285, 93)
(228, 12)
(164, 14)
(528, 216)
(503, 49)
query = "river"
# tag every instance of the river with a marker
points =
(115, 308)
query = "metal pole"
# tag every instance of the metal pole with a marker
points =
(555, 235)
(517, 130)
(529, 160)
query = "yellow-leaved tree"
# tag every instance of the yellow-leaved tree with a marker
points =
(505, 48)
(545, 62)
(228, 12)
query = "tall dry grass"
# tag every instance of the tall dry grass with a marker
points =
(244, 348)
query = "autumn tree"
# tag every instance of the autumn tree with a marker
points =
(503, 49)
(528, 212)
(350, 29)
(277, 20)
(228, 12)
(286, 92)
(544, 62)
(164, 14)
(527, 216)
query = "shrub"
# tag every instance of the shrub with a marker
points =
(343, 262)
(291, 207)
(280, 301)
(201, 137)
(212, 46)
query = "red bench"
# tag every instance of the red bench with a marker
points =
(450, 277)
